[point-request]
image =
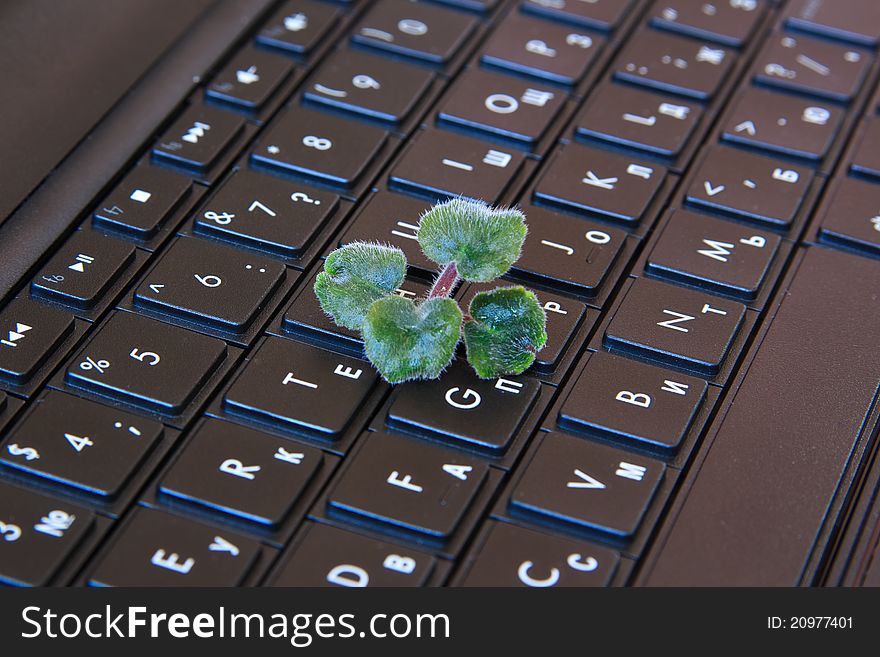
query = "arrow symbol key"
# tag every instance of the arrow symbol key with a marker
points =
(712, 191)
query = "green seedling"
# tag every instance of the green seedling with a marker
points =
(471, 241)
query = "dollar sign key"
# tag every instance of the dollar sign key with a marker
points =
(29, 453)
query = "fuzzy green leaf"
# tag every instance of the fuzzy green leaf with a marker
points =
(482, 242)
(405, 341)
(507, 328)
(354, 277)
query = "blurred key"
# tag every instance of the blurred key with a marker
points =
(812, 66)
(866, 160)
(730, 22)
(249, 79)
(418, 30)
(542, 49)
(673, 63)
(298, 26)
(597, 14)
(857, 21)
(852, 218)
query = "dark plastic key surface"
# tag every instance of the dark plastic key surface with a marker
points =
(298, 26)
(673, 63)
(675, 325)
(364, 84)
(83, 269)
(29, 332)
(721, 255)
(573, 253)
(783, 123)
(597, 14)
(501, 105)
(622, 398)
(481, 412)
(576, 481)
(857, 21)
(728, 22)
(159, 549)
(327, 556)
(749, 185)
(142, 201)
(209, 283)
(418, 30)
(145, 361)
(866, 160)
(853, 216)
(752, 512)
(246, 473)
(198, 138)
(250, 79)
(597, 182)
(640, 119)
(80, 443)
(408, 484)
(542, 49)
(514, 556)
(37, 533)
(300, 386)
(319, 145)
(812, 66)
(442, 164)
(266, 212)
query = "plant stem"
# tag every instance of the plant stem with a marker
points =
(445, 282)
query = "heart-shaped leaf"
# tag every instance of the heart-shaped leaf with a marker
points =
(507, 327)
(482, 242)
(354, 277)
(405, 341)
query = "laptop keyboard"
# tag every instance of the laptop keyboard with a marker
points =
(177, 410)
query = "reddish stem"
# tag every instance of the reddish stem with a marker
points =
(445, 282)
